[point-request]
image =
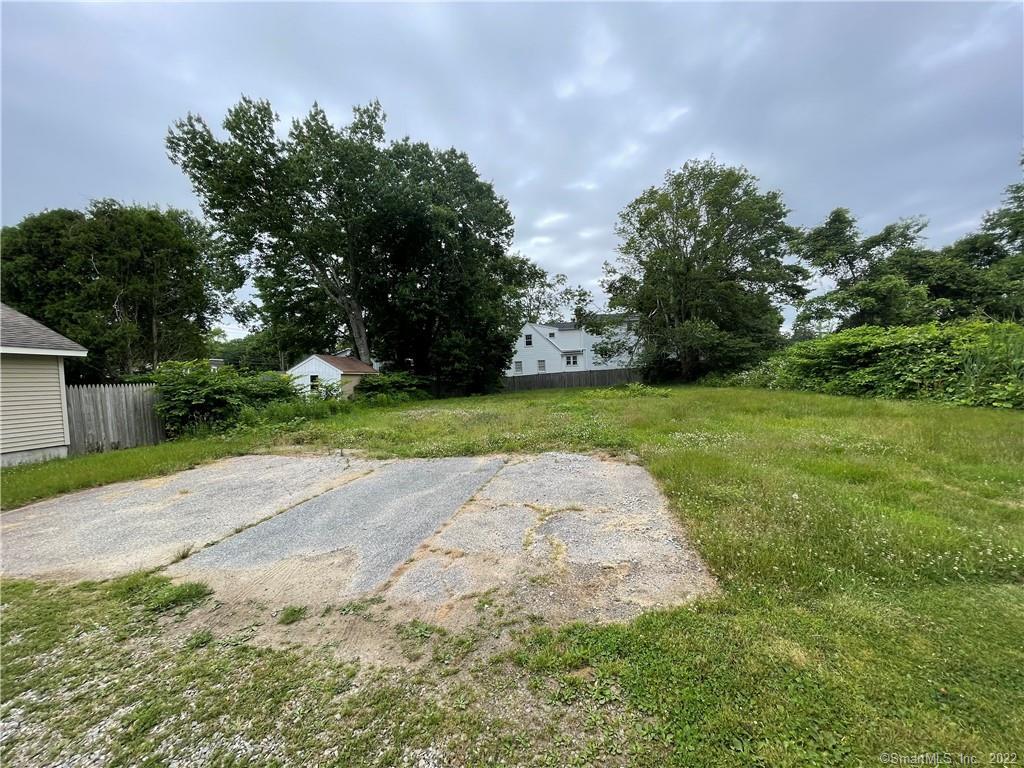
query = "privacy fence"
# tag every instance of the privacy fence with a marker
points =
(605, 378)
(103, 417)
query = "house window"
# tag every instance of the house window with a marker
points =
(529, 339)
(551, 334)
(541, 366)
(570, 360)
(518, 366)
(314, 383)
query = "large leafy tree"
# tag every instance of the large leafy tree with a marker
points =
(135, 285)
(702, 270)
(887, 279)
(304, 199)
(444, 291)
(407, 241)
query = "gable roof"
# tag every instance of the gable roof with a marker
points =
(347, 364)
(572, 325)
(21, 335)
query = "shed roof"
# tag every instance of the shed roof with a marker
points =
(347, 364)
(20, 334)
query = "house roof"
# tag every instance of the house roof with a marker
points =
(21, 335)
(572, 325)
(347, 364)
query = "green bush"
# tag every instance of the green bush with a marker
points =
(968, 363)
(190, 394)
(388, 388)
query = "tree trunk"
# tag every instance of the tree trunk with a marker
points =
(153, 331)
(357, 325)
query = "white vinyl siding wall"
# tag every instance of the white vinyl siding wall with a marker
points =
(553, 347)
(313, 366)
(32, 405)
(325, 372)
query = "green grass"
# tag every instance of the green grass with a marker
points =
(291, 614)
(871, 555)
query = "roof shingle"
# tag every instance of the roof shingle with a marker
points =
(18, 331)
(347, 364)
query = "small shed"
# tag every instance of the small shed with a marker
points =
(33, 401)
(344, 372)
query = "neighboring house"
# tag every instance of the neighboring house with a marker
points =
(33, 401)
(344, 372)
(557, 347)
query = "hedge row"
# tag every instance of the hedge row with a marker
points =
(190, 394)
(968, 363)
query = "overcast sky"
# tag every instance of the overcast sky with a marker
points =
(571, 110)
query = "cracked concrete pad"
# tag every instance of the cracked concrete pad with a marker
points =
(563, 536)
(120, 528)
(344, 543)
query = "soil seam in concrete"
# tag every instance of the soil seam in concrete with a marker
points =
(425, 545)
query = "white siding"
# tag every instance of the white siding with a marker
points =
(32, 407)
(316, 367)
(553, 351)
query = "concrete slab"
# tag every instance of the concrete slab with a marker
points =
(566, 537)
(119, 528)
(346, 542)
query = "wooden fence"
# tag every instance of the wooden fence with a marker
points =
(600, 378)
(104, 417)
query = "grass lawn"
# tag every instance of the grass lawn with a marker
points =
(871, 555)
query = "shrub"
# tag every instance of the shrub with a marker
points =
(387, 388)
(190, 394)
(968, 363)
(326, 390)
(289, 410)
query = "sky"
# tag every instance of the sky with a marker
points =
(570, 109)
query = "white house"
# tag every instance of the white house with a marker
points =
(33, 401)
(557, 347)
(344, 372)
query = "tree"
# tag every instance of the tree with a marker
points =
(1006, 224)
(888, 279)
(304, 199)
(702, 270)
(407, 241)
(135, 285)
(444, 293)
(254, 352)
(550, 297)
(837, 250)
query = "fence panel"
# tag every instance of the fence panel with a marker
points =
(105, 417)
(599, 378)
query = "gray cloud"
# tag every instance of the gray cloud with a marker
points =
(889, 109)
